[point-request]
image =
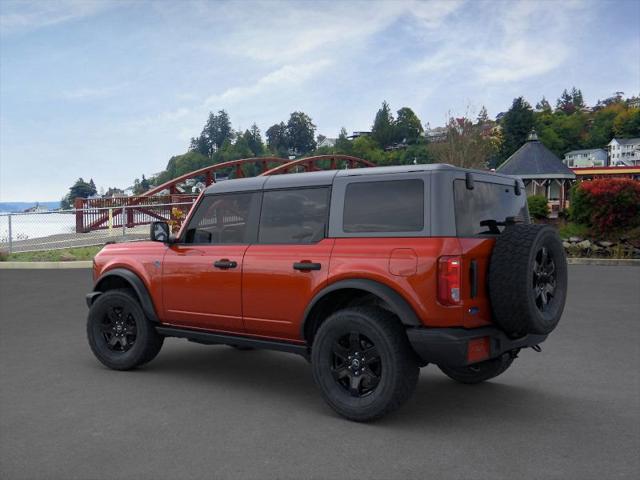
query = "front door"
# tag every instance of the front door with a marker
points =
(289, 263)
(202, 273)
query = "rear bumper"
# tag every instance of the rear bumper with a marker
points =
(449, 346)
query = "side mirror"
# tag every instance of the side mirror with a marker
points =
(159, 232)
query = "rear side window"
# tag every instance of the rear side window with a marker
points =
(228, 218)
(294, 216)
(384, 206)
(487, 201)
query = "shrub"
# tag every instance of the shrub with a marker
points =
(607, 204)
(538, 207)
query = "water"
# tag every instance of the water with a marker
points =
(36, 225)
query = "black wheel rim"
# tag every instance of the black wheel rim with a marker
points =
(118, 329)
(544, 279)
(356, 364)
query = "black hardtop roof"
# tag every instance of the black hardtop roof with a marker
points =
(326, 177)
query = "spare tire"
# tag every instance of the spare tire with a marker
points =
(528, 279)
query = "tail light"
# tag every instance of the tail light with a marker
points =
(449, 280)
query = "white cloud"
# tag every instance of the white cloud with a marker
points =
(25, 15)
(285, 77)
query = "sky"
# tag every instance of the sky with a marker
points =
(110, 90)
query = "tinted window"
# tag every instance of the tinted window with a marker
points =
(389, 206)
(487, 201)
(229, 218)
(294, 216)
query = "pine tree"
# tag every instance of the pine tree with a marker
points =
(483, 116)
(543, 106)
(382, 130)
(517, 123)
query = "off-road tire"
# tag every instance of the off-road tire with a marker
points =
(145, 345)
(397, 365)
(479, 372)
(515, 275)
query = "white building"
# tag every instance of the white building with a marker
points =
(624, 152)
(594, 157)
(327, 142)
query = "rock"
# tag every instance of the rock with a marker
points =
(566, 244)
(584, 244)
(605, 244)
(575, 239)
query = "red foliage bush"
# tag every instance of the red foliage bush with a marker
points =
(607, 204)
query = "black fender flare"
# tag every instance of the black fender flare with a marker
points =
(136, 284)
(396, 302)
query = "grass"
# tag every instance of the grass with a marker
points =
(64, 255)
(573, 230)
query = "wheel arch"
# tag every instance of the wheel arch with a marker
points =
(343, 293)
(123, 278)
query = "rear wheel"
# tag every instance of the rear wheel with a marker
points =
(478, 372)
(119, 333)
(363, 363)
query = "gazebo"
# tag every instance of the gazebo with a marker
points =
(542, 172)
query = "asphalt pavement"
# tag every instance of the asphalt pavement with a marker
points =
(569, 412)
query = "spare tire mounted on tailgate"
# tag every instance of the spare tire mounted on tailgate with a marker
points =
(528, 279)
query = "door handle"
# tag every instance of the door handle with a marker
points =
(306, 265)
(225, 264)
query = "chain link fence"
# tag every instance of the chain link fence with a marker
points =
(52, 230)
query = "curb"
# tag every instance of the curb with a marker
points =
(45, 265)
(612, 262)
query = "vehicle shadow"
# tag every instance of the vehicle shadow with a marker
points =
(287, 380)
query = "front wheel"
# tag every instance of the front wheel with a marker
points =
(363, 363)
(119, 333)
(478, 372)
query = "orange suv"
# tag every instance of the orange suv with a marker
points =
(368, 273)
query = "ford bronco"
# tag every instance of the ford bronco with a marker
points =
(369, 273)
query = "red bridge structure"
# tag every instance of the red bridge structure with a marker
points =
(159, 203)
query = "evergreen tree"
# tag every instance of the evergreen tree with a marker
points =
(277, 139)
(576, 99)
(483, 116)
(301, 133)
(517, 123)
(343, 144)
(543, 106)
(408, 126)
(216, 131)
(565, 103)
(382, 130)
(254, 140)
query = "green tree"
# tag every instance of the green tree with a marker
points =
(577, 99)
(216, 131)
(80, 189)
(383, 130)
(408, 126)
(538, 207)
(627, 124)
(277, 139)
(544, 106)
(517, 123)
(301, 133)
(253, 138)
(565, 103)
(343, 144)
(483, 116)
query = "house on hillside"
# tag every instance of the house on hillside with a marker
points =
(593, 157)
(624, 152)
(542, 172)
(358, 134)
(327, 142)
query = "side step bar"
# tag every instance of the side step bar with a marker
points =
(209, 338)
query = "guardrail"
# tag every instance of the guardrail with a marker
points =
(57, 229)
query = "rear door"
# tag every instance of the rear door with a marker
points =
(202, 274)
(289, 263)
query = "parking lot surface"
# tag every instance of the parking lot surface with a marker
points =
(570, 412)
